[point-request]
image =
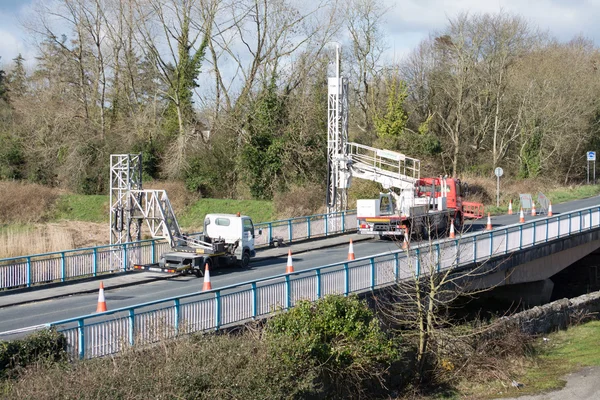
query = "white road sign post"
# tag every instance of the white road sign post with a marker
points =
(591, 157)
(498, 172)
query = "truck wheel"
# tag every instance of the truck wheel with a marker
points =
(458, 223)
(245, 262)
(200, 270)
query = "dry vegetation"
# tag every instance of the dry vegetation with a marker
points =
(50, 237)
(299, 200)
(179, 196)
(25, 202)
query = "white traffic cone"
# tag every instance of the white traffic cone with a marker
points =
(533, 213)
(101, 300)
(550, 209)
(510, 211)
(206, 285)
(452, 234)
(289, 268)
(489, 226)
(521, 216)
(405, 244)
(351, 251)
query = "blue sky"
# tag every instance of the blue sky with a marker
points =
(407, 23)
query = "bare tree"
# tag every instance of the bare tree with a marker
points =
(364, 19)
(175, 35)
(429, 282)
(457, 54)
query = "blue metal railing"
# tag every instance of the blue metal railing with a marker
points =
(106, 333)
(26, 271)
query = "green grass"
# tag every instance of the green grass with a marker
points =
(77, 207)
(578, 192)
(555, 196)
(95, 209)
(566, 351)
(258, 210)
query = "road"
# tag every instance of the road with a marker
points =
(54, 309)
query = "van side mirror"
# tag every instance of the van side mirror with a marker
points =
(260, 232)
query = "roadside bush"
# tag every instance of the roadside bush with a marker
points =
(40, 347)
(338, 336)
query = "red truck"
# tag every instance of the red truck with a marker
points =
(425, 211)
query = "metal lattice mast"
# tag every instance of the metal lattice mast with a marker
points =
(125, 175)
(338, 178)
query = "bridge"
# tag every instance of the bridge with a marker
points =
(513, 253)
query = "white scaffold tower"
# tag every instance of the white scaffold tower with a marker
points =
(338, 162)
(130, 206)
(125, 176)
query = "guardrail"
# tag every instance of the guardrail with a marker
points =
(60, 266)
(110, 332)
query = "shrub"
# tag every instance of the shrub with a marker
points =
(43, 346)
(196, 367)
(341, 338)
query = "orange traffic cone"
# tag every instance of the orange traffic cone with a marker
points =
(101, 300)
(533, 213)
(290, 268)
(489, 223)
(405, 245)
(550, 209)
(510, 207)
(452, 234)
(206, 285)
(521, 216)
(351, 252)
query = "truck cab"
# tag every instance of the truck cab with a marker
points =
(236, 230)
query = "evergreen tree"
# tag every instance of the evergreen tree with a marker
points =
(3, 88)
(17, 78)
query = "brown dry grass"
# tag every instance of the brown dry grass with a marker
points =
(45, 238)
(299, 201)
(25, 203)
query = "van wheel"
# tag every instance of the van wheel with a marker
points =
(245, 262)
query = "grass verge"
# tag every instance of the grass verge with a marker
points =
(193, 216)
(561, 353)
(78, 207)
(556, 196)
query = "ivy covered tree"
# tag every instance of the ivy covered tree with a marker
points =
(392, 123)
(261, 156)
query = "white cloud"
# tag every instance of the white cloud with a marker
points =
(410, 21)
(12, 39)
(407, 22)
